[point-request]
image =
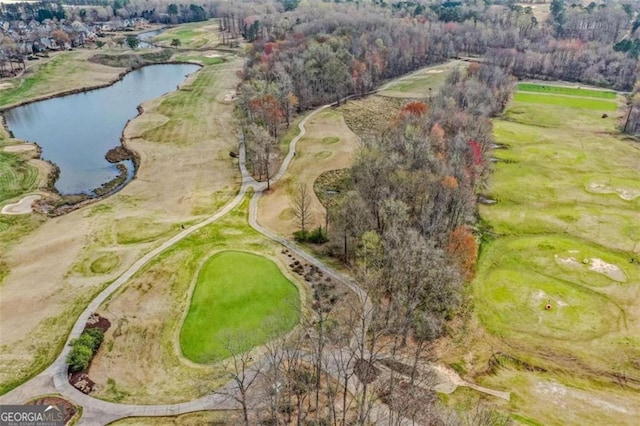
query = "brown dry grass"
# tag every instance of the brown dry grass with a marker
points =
(140, 360)
(48, 281)
(369, 116)
(317, 152)
(220, 418)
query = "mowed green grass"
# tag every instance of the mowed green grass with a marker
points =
(521, 275)
(237, 298)
(194, 35)
(417, 84)
(565, 101)
(186, 109)
(16, 176)
(562, 90)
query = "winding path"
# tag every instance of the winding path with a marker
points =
(97, 412)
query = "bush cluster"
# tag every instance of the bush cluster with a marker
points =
(83, 349)
(317, 236)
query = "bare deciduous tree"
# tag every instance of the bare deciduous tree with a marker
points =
(301, 205)
(243, 371)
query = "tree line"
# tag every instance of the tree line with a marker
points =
(413, 201)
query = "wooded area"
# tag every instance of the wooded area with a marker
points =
(407, 226)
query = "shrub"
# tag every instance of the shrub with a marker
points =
(79, 357)
(301, 236)
(97, 334)
(317, 236)
(83, 349)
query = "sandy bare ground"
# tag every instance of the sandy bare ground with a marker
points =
(627, 194)
(177, 182)
(23, 147)
(314, 156)
(21, 207)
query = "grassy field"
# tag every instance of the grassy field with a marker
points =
(417, 84)
(564, 233)
(235, 295)
(328, 144)
(197, 35)
(141, 357)
(563, 90)
(16, 176)
(204, 60)
(565, 101)
(184, 108)
(62, 72)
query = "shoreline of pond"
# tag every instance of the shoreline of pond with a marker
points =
(54, 203)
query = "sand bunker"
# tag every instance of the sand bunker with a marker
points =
(612, 271)
(5, 86)
(230, 96)
(214, 55)
(23, 147)
(21, 207)
(567, 261)
(603, 188)
(434, 71)
(559, 394)
(539, 297)
(597, 265)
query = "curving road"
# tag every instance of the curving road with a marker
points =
(98, 412)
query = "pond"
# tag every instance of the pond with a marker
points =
(76, 131)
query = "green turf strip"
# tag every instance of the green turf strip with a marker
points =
(569, 91)
(565, 101)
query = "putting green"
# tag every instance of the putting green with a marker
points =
(240, 299)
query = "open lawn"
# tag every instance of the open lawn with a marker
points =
(563, 90)
(62, 72)
(185, 173)
(235, 296)
(16, 176)
(565, 101)
(200, 59)
(142, 350)
(417, 84)
(564, 233)
(196, 35)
